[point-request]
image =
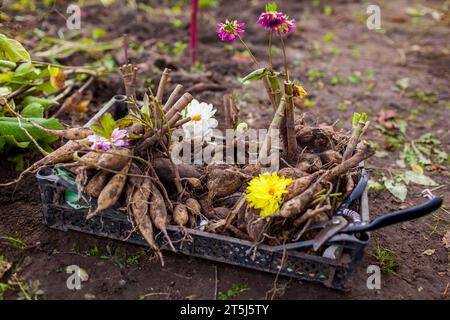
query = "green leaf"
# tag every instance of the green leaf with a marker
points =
(356, 117)
(397, 189)
(328, 37)
(417, 178)
(372, 184)
(10, 141)
(428, 138)
(24, 69)
(107, 125)
(46, 87)
(10, 127)
(12, 50)
(7, 64)
(271, 7)
(98, 33)
(18, 160)
(33, 110)
(108, 61)
(258, 74)
(45, 102)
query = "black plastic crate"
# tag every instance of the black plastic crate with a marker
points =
(113, 224)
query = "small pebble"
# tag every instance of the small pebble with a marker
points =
(89, 296)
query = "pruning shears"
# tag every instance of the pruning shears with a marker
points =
(348, 222)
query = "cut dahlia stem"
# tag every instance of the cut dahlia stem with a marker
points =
(232, 112)
(357, 133)
(129, 72)
(289, 120)
(162, 85)
(235, 109)
(276, 123)
(361, 154)
(155, 137)
(359, 128)
(276, 88)
(179, 106)
(226, 111)
(172, 98)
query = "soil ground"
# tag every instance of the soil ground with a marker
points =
(407, 47)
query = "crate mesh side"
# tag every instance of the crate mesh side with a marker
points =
(115, 225)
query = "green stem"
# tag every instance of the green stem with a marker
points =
(270, 50)
(249, 51)
(283, 47)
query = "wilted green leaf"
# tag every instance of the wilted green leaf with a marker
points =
(397, 189)
(12, 50)
(417, 178)
(258, 74)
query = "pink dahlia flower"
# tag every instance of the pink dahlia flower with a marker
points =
(230, 30)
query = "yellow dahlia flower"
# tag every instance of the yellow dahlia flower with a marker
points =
(266, 191)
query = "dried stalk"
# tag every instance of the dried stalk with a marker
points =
(289, 120)
(226, 110)
(172, 98)
(152, 139)
(275, 124)
(162, 85)
(179, 106)
(129, 72)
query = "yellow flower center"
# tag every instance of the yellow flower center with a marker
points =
(272, 191)
(197, 117)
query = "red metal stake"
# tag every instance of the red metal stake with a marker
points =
(193, 34)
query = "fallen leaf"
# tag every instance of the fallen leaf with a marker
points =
(429, 252)
(417, 178)
(385, 116)
(83, 106)
(57, 78)
(372, 184)
(446, 239)
(403, 83)
(83, 275)
(416, 168)
(435, 167)
(397, 189)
